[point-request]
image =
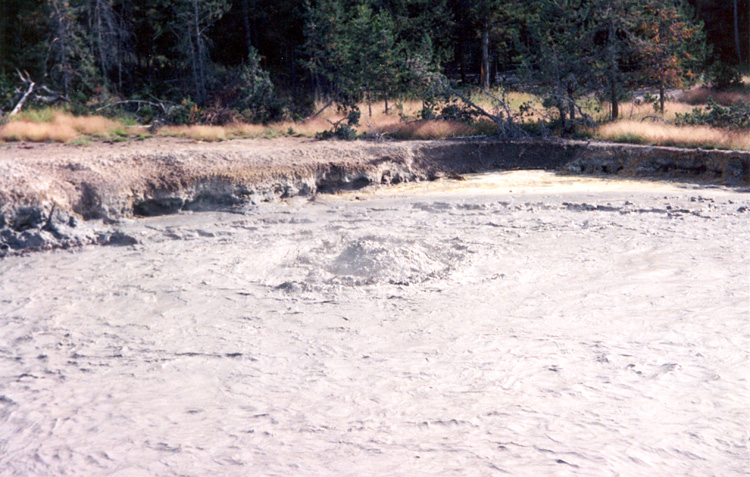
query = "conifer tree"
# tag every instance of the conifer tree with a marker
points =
(192, 19)
(70, 62)
(671, 46)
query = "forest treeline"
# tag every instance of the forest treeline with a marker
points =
(263, 60)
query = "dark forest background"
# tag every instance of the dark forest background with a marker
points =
(268, 59)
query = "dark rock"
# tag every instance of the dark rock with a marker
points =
(117, 239)
(156, 207)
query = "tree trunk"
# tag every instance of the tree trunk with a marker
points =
(613, 97)
(246, 23)
(571, 103)
(662, 93)
(737, 33)
(385, 94)
(66, 66)
(462, 60)
(194, 59)
(3, 28)
(563, 116)
(662, 85)
(485, 69)
(200, 82)
(100, 41)
(614, 100)
(369, 102)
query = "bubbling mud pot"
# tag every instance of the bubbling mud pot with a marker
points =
(522, 323)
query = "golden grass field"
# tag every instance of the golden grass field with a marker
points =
(640, 124)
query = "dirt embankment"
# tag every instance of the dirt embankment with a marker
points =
(61, 196)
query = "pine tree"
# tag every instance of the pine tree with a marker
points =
(257, 101)
(108, 35)
(70, 62)
(495, 22)
(191, 22)
(670, 46)
(559, 61)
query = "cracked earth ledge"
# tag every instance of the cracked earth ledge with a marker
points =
(55, 196)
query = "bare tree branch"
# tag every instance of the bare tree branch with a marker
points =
(25, 80)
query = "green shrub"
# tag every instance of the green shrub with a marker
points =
(257, 101)
(736, 116)
(343, 129)
(187, 112)
(629, 138)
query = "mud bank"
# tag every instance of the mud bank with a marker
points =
(58, 196)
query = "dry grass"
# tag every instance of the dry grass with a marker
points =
(89, 125)
(37, 132)
(379, 123)
(639, 132)
(244, 130)
(699, 96)
(304, 128)
(197, 133)
(635, 111)
(58, 126)
(430, 129)
(401, 122)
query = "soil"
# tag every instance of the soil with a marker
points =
(54, 196)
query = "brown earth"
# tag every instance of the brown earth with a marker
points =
(46, 189)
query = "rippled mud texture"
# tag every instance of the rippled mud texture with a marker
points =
(515, 323)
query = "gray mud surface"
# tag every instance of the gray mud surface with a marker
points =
(521, 323)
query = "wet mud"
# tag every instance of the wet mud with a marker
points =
(521, 323)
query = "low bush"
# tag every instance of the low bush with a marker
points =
(344, 128)
(735, 116)
(187, 112)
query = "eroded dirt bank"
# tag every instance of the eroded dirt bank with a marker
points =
(60, 196)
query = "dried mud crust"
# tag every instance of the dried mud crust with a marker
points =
(62, 196)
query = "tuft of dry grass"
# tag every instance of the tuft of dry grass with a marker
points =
(37, 132)
(639, 132)
(197, 133)
(244, 130)
(58, 126)
(430, 129)
(89, 125)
